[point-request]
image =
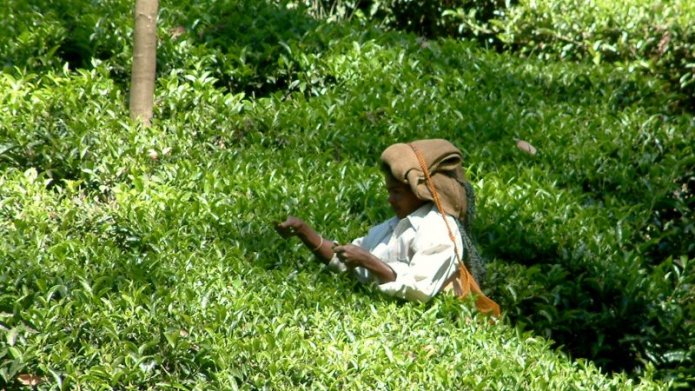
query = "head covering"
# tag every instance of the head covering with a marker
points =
(444, 162)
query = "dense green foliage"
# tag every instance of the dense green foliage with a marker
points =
(642, 37)
(144, 257)
(654, 38)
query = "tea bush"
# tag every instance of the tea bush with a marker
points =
(145, 257)
(49, 33)
(655, 38)
(641, 37)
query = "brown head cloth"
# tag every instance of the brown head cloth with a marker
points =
(443, 161)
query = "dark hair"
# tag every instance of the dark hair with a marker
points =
(386, 169)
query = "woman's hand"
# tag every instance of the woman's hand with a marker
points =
(294, 226)
(290, 227)
(352, 255)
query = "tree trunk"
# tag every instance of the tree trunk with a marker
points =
(144, 60)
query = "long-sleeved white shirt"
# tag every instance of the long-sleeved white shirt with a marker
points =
(417, 248)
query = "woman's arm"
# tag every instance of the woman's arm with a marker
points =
(350, 254)
(294, 226)
(354, 256)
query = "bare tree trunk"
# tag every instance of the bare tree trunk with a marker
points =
(144, 60)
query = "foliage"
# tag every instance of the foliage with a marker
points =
(644, 37)
(420, 17)
(145, 258)
(653, 38)
(259, 60)
(49, 33)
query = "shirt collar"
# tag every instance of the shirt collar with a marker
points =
(414, 219)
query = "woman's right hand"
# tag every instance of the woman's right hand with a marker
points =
(290, 227)
(294, 226)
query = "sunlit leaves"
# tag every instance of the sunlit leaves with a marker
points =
(29, 380)
(145, 257)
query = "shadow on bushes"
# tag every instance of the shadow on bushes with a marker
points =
(622, 309)
(257, 45)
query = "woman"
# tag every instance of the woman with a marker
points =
(419, 252)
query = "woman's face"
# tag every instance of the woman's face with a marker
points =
(403, 201)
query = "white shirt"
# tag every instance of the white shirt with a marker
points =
(417, 248)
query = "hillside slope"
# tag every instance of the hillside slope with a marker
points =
(145, 257)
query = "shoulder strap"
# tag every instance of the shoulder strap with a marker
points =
(435, 196)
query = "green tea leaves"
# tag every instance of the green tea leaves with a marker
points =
(138, 258)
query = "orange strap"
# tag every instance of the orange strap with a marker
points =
(468, 283)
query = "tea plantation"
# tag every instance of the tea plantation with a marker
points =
(137, 257)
